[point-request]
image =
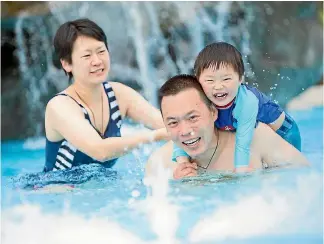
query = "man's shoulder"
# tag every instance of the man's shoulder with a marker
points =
(262, 131)
(274, 150)
(264, 137)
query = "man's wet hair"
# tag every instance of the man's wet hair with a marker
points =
(217, 54)
(67, 34)
(179, 83)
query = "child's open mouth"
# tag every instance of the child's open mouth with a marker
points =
(220, 96)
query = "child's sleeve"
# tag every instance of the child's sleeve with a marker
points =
(177, 152)
(245, 113)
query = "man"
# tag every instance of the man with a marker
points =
(189, 117)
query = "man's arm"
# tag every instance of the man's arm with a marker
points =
(275, 151)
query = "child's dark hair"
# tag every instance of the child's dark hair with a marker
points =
(179, 83)
(216, 54)
(68, 32)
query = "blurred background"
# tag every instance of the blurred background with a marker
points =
(281, 43)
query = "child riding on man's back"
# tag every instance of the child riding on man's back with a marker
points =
(219, 69)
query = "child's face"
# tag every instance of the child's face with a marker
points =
(220, 85)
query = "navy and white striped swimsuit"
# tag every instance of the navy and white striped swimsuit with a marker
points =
(63, 155)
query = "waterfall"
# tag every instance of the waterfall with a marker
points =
(136, 33)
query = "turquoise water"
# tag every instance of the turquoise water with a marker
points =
(278, 206)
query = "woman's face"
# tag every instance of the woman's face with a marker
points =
(90, 61)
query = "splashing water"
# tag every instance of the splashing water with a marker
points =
(269, 212)
(162, 214)
(37, 227)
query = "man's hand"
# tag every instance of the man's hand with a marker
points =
(185, 170)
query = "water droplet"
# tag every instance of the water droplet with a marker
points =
(136, 193)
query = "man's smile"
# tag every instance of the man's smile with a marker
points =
(191, 142)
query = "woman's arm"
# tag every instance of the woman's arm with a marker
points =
(134, 106)
(65, 117)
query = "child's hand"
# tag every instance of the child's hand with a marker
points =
(185, 170)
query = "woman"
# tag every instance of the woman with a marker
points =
(83, 122)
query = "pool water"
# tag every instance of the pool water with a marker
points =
(115, 206)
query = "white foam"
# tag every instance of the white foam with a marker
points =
(37, 227)
(27, 224)
(162, 214)
(269, 212)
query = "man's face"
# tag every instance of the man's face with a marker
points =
(189, 121)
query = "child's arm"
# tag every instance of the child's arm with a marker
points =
(245, 112)
(179, 155)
